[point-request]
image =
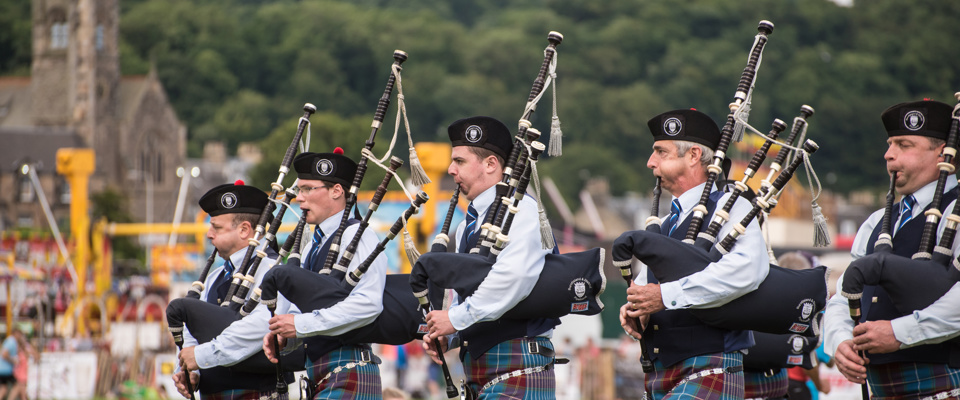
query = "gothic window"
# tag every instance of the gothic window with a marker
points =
(59, 36)
(158, 174)
(99, 40)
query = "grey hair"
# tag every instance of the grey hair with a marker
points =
(706, 155)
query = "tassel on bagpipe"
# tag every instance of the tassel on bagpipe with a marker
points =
(785, 302)
(399, 57)
(707, 238)
(266, 215)
(398, 323)
(911, 283)
(715, 170)
(516, 160)
(197, 287)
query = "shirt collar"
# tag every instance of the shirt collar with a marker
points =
(484, 200)
(237, 258)
(330, 225)
(690, 198)
(924, 195)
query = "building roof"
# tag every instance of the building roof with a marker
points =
(35, 145)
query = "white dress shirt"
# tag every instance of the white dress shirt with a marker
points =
(364, 303)
(739, 272)
(243, 338)
(938, 322)
(515, 272)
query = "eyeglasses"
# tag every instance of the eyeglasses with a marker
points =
(307, 189)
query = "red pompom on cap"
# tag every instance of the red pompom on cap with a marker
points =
(338, 150)
(693, 109)
(239, 182)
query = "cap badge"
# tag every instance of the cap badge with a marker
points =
(473, 133)
(228, 200)
(324, 167)
(672, 126)
(913, 120)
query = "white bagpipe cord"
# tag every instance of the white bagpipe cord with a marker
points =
(417, 175)
(821, 234)
(305, 139)
(408, 246)
(556, 135)
(547, 241)
(742, 114)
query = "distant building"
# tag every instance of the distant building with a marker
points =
(76, 97)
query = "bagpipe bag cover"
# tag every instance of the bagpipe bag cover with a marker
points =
(780, 351)
(569, 283)
(911, 284)
(205, 321)
(785, 302)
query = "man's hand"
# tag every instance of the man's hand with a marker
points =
(188, 359)
(629, 318)
(282, 325)
(430, 347)
(645, 299)
(850, 364)
(438, 324)
(179, 382)
(271, 342)
(875, 337)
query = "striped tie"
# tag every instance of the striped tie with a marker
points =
(469, 232)
(906, 210)
(222, 284)
(671, 223)
(313, 261)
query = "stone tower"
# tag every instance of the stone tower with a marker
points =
(76, 74)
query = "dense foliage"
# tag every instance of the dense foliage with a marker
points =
(237, 70)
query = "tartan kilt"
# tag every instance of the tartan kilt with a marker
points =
(911, 380)
(509, 356)
(239, 394)
(673, 382)
(756, 385)
(357, 383)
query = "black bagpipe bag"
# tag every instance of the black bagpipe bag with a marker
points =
(569, 283)
(400, 321)
(780, 351)
(911, 284)
(205, 321)
(784, 303)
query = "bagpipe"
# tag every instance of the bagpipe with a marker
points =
(787, 301)
(569, 283)
(917, 282)
(204, 320)
(399, 322)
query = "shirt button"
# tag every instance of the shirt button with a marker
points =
(673, 303)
